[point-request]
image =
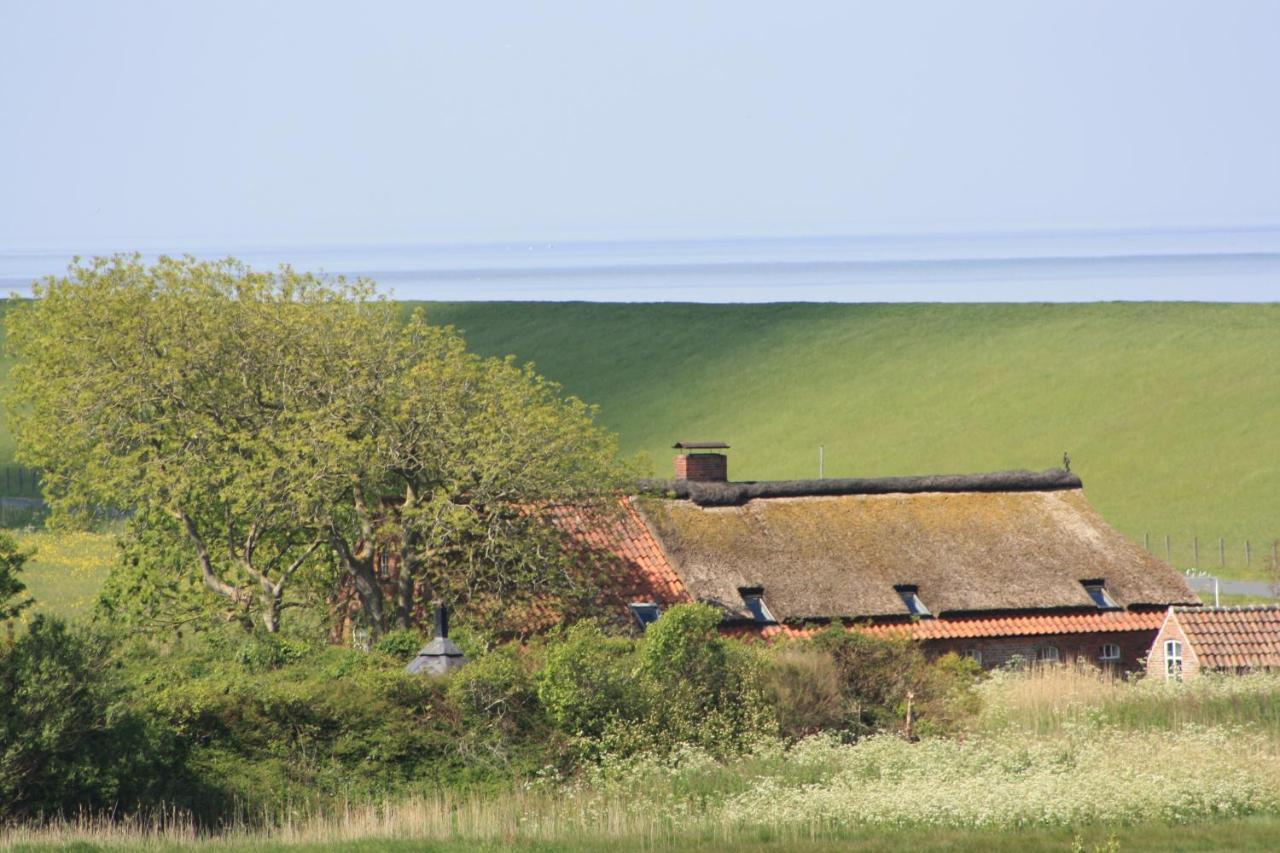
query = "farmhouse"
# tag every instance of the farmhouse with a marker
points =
(1218, 639)
(998, 567)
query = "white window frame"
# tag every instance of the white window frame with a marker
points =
(1107, 648)
(1048, 654)
(974, 655)
(1173, 659)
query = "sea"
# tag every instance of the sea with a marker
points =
(1192, 264)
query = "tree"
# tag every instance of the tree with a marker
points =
(262, 426)
(12, 560)
(190, 393)
(476, 454)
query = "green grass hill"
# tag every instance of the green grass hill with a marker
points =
(1169, 410)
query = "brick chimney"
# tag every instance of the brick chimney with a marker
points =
(707, 467)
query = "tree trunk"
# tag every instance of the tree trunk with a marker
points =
(271, 611)
(370, 594)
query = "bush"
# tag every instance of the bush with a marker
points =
(402, 644)
(68, 739)
(803, 687)
(590, 680)
(496, 690)
(878, 678)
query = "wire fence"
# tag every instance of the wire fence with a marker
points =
(1258, 556)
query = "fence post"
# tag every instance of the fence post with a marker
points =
(1195, 552)
(1168, 552)
(1248, 557)
(1146, 541)
(1222, 553)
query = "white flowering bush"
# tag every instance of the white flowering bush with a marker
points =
(1093, 775)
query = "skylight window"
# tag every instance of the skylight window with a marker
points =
(753, 598)
(911, 597)
(646, 613)
(1102, 599)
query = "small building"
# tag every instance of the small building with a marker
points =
(1192, 640)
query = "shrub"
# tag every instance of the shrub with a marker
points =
(803, 687)
(879, 676)
(401, 644)
(589, 680)
(68, 739)
(496, 690)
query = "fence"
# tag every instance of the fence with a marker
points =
(19, 481)
(1259, 557)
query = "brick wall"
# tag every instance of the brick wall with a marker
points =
(702, 466)
(1156, 662)
(999, 651)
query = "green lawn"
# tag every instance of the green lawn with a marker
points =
(1168, 409)
(66, 572)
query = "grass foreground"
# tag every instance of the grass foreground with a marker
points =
(1245, 834)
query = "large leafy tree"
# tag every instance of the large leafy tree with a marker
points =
(267, 426)
(193, 392)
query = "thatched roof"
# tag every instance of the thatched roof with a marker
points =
(829, 549)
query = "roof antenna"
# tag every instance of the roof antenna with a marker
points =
(1066, 461)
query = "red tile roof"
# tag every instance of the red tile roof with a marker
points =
(640, 570)
(1233, 637)
(949, 628)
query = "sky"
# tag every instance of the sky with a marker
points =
(228, 126)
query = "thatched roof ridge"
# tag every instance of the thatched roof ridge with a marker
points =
(705, 493)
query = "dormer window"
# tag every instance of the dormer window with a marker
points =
(753, 599)
(646, 613)
(1097, 590)
(911, 598)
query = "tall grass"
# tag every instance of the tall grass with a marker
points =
(1050, 700)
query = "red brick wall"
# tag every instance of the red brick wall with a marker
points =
(702, 466)
(999, 651)
(1172, 631)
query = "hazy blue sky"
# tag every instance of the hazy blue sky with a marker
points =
(271, 123)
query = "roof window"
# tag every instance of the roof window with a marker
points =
(1097, 590)
(753, 598)
(911, 597)
(646, 613)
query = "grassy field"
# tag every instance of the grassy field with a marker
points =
(1168, 409)
(66, 572)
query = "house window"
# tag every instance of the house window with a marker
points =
(910, 595)
(646, 613)
(753, 598)
(1173, 659)
(1102, 599)
(1110, 653)
(1047, 654)
(974, 655)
